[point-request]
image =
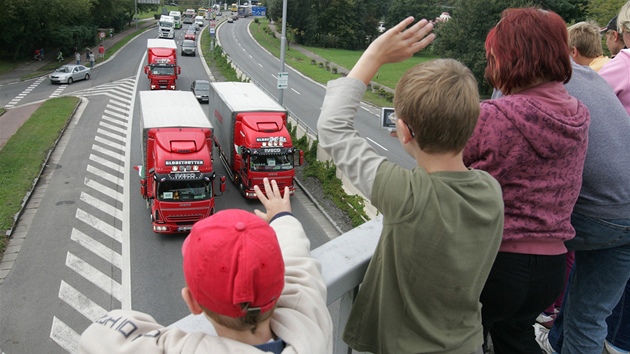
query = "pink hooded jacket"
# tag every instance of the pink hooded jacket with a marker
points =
(534, 143)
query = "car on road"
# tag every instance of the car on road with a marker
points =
(199, 21)
(189, 47)
(190, 34)
(230, 20)
(201, 90)
(67, 74)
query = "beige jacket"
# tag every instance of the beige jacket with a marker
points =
(301, 318)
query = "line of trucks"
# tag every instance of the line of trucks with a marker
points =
(177, 173)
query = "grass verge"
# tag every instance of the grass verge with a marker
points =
(22, 157)
(387, 76)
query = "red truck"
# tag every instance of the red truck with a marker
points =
(161, 68)
(176, 175)
(252, 136)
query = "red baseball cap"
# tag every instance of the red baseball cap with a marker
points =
(233, 257)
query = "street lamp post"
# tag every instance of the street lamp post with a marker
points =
(283, 45)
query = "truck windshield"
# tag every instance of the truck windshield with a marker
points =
(184, 190)
(166, 24)
(163, 70)
(271, 162)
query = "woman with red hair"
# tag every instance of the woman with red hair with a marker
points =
(533, 141)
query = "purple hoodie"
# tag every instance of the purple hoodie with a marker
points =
(534, 143)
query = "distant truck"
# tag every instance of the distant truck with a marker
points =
(244, 11)
(176, 175)
(177, 17)
(162, 69)
(189, 16)
(252, 136)
(166, 27)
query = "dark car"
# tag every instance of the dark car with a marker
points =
(201, 90)
(190, 34)
(189, 47)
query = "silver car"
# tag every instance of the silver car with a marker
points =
(70, 73)
(189, 47)
(201, 89)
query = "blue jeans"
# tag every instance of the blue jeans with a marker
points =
(619, 322)
(598, 278)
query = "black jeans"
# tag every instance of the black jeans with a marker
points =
(518, 289)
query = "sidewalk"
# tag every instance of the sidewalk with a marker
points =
(13, 118)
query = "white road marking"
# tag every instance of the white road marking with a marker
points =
(377, 144)
(102, 206)
(65, 336)
(99, 225)
(97, 248)
(95, 276)
(80, 302)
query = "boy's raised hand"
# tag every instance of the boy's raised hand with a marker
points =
(395, 45)
(272, 200)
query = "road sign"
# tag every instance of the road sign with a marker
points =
(101, 35)
(212, 32)
(283, 80)
(213, 24)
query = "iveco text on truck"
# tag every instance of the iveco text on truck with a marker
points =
(252, 136)
(177, 175)
(161, 68)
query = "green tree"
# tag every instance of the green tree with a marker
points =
(400, 9)
(463, 37)
(27, 24)
(601, 11)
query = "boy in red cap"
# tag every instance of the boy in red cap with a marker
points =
(253, 278)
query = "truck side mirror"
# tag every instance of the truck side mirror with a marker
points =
(179, 70)
(301, 157)
(143, 188)
(146, 69)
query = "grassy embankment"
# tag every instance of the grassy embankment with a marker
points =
(336, 59)
(22, 157)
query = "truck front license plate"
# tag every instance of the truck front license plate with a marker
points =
(184, 228)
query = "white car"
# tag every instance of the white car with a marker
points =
(67, 74)
(230, 19)
(199, 22)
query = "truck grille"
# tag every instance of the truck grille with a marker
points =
(184, 218)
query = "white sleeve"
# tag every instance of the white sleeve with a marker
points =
(337, 136)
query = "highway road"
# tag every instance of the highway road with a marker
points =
(89, 247)
(303, 97)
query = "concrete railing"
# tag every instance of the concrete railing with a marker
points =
(344, 262)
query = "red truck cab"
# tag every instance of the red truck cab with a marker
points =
(162, 69)
(177, 174)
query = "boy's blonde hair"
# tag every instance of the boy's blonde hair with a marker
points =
(585, 37)
(440, 101)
